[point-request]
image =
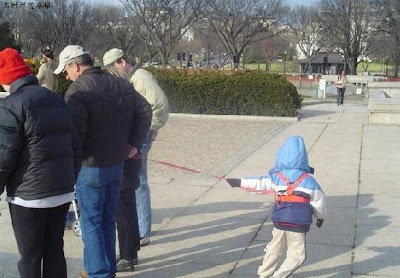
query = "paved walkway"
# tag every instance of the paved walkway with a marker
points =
(204, 228)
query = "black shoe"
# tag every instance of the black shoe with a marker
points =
(135, 260)
(125, 265)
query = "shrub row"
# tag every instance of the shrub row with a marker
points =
(214, 92)
(240, 93)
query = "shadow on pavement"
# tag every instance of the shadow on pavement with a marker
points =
(218, 246)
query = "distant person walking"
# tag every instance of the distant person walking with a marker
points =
(145, 83)
(112, 120)
(341, 87)
(46, 75)
(40, 158)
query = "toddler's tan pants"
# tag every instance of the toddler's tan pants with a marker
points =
(296, 254)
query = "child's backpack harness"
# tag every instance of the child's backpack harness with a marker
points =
(289, 197)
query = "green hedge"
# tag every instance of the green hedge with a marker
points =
(240, 93)
(63, 84)
(214, 92)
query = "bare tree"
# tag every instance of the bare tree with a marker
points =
(348, 26)
(113, 28)
(240, 23)
(209, 42)
(66, 22)
(272, 48)
(16, 19)
(388, 13)
(306, 29)
(165, 21)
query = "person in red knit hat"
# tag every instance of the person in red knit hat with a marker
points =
(12, 67)
(40, 158)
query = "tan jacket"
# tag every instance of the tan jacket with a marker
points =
(145, 83)
(46, 75)
(341, 81)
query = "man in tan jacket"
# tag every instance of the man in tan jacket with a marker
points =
(144, 82)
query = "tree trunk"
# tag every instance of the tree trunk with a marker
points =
(396, 67)
(353, 66)
(164, 60)
(208, 58)
(237, 61)
(267, 64)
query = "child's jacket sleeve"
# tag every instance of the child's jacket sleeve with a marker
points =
(317, 201)
(257, 184)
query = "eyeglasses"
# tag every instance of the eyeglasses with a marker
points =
(65, 72)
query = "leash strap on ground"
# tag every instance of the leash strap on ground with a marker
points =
(195, 171)
(181, 167)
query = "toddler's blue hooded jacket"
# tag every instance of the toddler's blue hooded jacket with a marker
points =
(292, 162)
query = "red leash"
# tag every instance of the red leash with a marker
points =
(181, 167)
(198, 172)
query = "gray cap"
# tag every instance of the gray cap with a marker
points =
(112, 55)
(69, 52)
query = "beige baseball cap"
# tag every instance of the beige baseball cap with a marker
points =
(112, 55)
(68, 53)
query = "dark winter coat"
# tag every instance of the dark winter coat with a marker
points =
(40, 152)
(109, 116)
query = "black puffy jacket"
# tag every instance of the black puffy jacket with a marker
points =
(40, 152)
(109, 116)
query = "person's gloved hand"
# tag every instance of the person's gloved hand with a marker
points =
(233, 182)
(319, 222)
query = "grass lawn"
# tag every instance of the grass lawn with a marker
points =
(293, 67)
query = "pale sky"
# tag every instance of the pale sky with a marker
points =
(301, 2)
(290, 2)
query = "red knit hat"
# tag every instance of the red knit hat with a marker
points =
(12, 66)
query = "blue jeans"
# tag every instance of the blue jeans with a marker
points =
(143, 203)
(97, 191)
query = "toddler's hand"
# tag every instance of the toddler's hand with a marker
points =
(234, 182)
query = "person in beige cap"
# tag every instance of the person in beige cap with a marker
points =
(112, 120)
(145, 83)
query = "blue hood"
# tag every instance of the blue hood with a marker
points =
(291, 155)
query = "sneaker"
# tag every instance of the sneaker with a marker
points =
(144, 241)
(125, 265)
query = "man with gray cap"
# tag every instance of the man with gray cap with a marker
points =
(112, 120)
(145, 83)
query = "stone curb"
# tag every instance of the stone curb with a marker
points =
(235, 117)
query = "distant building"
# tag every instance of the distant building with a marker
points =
(323, 63)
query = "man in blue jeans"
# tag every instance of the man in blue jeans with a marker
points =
(112, 120)
(146, 85)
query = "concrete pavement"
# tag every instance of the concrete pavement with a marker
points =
(204, 228)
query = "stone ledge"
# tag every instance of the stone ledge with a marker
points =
(235, 117)
(384, 110)
(384, 104)
(378, 94)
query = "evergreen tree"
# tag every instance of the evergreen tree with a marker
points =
(6, 37)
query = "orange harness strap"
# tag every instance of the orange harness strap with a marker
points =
(289, 197)
(292, 199)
